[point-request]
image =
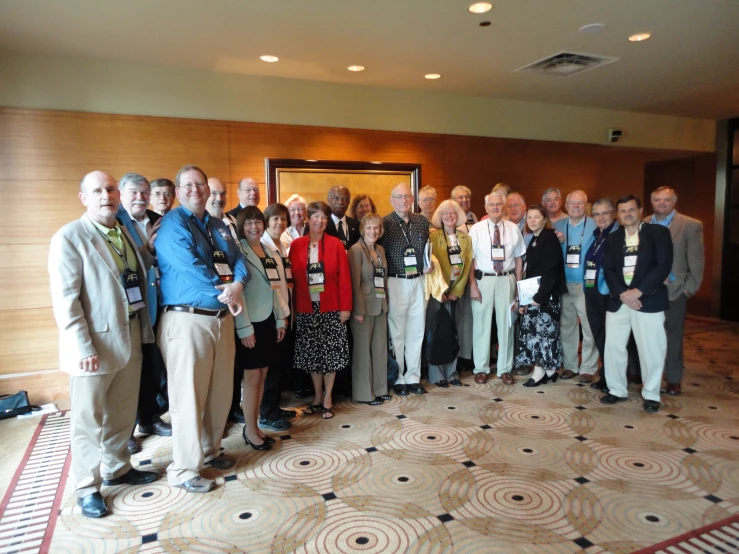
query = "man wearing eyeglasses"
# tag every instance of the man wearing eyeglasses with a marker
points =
(427, 203)
(162, 195)
(248, 193)
(405, 239)
(203, 274)
(575, 232)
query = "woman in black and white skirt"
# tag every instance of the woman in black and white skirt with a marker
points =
(539, 343)
(261, 325)
(323, 302)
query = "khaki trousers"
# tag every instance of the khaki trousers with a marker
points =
(651, 342)
(369, 357)
(199, 354)
(573, 307)
(497, 295)
(464, 323)
(405, 322)
(103, 414)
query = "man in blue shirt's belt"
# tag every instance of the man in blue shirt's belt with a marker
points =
(203, 274)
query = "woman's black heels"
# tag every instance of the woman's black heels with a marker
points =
(531, 383)
(554, 377)
(264, 446)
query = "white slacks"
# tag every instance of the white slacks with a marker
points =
(651, 343)
(573, 307)
(497, 294)
(405, 323)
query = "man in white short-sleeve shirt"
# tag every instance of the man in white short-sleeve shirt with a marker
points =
(497, 248)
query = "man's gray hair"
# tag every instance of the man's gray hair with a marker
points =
(458, 189)
(575, 192)
(133, 179)
(550, 190)
(427, 189)
(606, 202)
(502, 195)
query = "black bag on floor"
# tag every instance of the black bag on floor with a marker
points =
(12, 405)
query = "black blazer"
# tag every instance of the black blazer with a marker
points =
(544, 259)
(235, 212)
(653, 266)
(352, 233)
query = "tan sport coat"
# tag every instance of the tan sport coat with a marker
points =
(364, 295)
(688, 258)
(89, 301)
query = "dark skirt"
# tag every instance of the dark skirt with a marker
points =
(264, 353)
(538, 340)
(321, 342)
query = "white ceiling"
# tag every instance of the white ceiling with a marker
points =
(690, 66)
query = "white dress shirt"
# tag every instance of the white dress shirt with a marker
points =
(343, 224)
(482, 234)
(290, 234)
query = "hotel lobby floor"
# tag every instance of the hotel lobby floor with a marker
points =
(488, 468)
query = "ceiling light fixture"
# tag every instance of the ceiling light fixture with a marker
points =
(480, 7)
(269, 59)
(592, 28)
(639, 37)
(432, 76)
(356, 68)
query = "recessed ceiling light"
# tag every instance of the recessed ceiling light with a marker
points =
(639, 37)
(480, 7)
(269, 59)
(592, 28)
(356, 68)
(433, 76)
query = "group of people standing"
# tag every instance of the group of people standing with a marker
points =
(207, 313)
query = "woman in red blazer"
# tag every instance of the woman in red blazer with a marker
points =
(323, 302)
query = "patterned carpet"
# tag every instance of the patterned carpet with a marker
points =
(486, 468)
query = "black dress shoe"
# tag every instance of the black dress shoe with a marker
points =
(610, 399)
(304, 393)
(385, 397)
(651, 406)
(133, 477)
(159, 428)
(376, 402)
(600, 384)
(443, 384)
(288, 414)
(264, 446)
(400, 390)
(416, 388)
(93, 505)
(133, 446)
(455, 382)
(531, 383)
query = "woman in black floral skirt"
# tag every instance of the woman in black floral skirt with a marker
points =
(538, 341)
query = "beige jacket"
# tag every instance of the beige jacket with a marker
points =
(89, 301)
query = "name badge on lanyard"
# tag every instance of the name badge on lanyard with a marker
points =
(497, 252)
(631, 253)
(590, 274)
(315, 277)
(409, 260)
(157, 276)
(573, 256)
(270, 268)
(287, 264)
(133, 290)
(455, 259)
(380, 282)
(221, 267)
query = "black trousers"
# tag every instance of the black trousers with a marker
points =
(152, 369)
(595, 307)
(277, 375)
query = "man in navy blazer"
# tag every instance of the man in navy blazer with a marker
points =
(637, 263)
(142, 223)
(340, 225)
(248, 193)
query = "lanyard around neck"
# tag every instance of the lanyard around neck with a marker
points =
(501, 228)
(121, 255)
(567, 232)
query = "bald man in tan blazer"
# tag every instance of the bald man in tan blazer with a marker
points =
(101, 328)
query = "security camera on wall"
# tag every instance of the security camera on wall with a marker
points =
(614, 135)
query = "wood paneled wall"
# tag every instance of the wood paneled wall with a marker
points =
(44, 154)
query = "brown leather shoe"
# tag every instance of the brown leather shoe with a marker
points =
(567, 374)
(585, 378)
(481, 378)
(522, 371)
(507, 378)
(674, 389)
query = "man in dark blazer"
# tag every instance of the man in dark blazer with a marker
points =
(248, 193)
(142, 223)
(340, 225)
(636, 263)
(685, 278)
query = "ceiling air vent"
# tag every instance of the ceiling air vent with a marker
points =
(565, 64)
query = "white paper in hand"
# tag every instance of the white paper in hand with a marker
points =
(527, 289)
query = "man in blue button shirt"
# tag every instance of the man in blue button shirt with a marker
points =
(576, 235)
(203, 274)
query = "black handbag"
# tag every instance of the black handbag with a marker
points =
(12, 405)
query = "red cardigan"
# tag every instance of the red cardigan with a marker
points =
(337, 294)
